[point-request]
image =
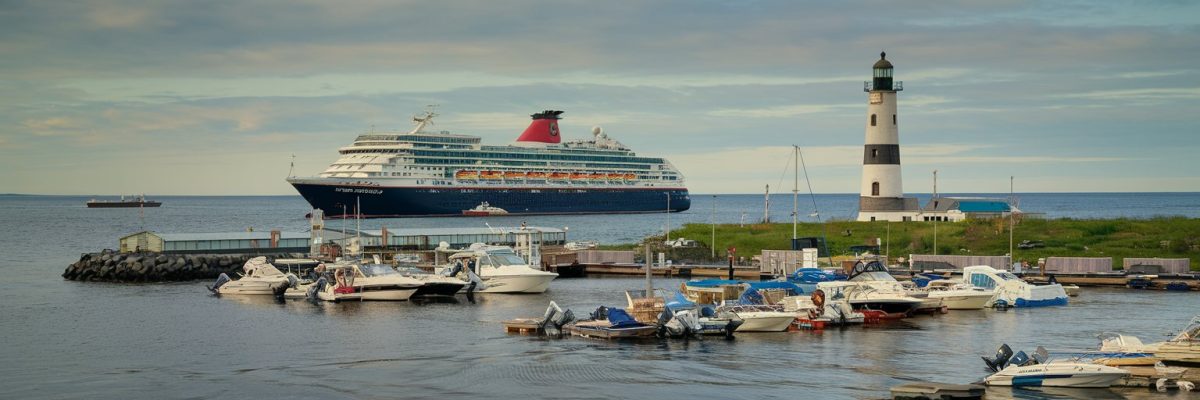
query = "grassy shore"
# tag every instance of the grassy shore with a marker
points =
(1166, 237)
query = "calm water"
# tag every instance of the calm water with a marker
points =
(85, 340)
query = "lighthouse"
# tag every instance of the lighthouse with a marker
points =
(882, 195)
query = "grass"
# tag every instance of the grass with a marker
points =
(1164, 237)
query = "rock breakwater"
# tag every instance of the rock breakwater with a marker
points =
(110, 266)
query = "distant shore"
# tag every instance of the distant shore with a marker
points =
(1119, 238)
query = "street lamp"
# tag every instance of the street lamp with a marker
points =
(668, 193)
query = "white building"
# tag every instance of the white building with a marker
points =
(882, 195)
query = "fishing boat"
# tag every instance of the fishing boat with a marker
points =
(259, 277)
(611, 323)
(1039, 370)
(500, 269)
(131, 202)
(484, 209)
(958, 295)
(1012, 291)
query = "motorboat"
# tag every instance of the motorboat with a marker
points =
(611, 323)
(876, 275)
(683, 317)
(365, 282)
(1184, 348)
(958, 295)
(894, 302)
(1011, 291)
(1039, 370)
(712, 291)
(484, 209)
(499, 268)
(258, 277)
(433, 285)
(757, 317)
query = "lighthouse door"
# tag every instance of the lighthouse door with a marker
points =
(874, 188)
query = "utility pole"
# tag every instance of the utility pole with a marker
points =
(1011, 257)
(668, 216)
(935, 217)
(795, 193)
(713, 218)
(767, 206)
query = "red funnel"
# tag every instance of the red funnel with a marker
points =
(543, 129)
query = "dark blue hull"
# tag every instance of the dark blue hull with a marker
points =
(381, 202)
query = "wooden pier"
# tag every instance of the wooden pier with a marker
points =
(685, 271)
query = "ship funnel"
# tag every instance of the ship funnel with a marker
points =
(543, 129)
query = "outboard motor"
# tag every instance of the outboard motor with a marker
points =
(732, 326)
(1002, 356)
(1021, 359)
(316, 287)
(221, 280)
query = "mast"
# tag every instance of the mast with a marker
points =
(795, 192)
(1011, 256)
(767, 206)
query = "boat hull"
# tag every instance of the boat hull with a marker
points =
(1058, 375)
(122, 204)
(965, 301)
(338, 200)
(764, 322)
(518, 283)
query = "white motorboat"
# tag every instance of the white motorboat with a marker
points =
(259, 277)
(757, 317)
(484, 209)
(958, 295)
(368, 282)
(1040, 370)
(433, 284)
(893, 301)
(1184, 348)
(500, 269)
(1013, 291)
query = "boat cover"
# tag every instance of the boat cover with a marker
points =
(752, 296)
(814, 275)
(712, 283)
(621, 319)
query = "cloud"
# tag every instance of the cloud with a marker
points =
(1140, 94)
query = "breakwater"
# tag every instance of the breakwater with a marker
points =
(110, 266)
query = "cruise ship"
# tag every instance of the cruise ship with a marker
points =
(422, 173)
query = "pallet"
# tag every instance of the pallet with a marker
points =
(523, 326)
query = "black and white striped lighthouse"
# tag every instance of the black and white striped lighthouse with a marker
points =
(882, 195)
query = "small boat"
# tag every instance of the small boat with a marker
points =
(491, 175)
(131, 202)
(365, 282)
(579, 176)
(1177, 286)
(499, 268)
(258, 278)
(1184, 348)
(484, 209)
(1139, 282)
(536, 175)
(684, 318)
(817, 311)
(958, 295)
(1022, 370)
(1072, 290)
(863, 297)
(433, 285)
(514, 175)
(630, 177)
(1011, 291)
(611, 323)
(595, 176)
(758, 317)
(559, 176)
(466, 175)
(615, 176)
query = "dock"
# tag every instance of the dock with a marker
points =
(685, 271)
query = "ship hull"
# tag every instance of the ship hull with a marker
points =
(123, 204)
(338, 200)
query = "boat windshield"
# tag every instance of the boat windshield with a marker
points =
(1006, 276)
(376, 270)
(504, 257)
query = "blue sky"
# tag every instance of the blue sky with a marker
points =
(103, 97)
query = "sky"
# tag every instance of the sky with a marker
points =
(215, 98)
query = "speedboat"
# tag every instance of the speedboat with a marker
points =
(1012, 291)
(484, 209)
(875, 275)
(894, 302)
(364, 282)
(1184, 348)
(682, 317)
(958, 295)
(259, 277)
(758, 317)
(499, 268)
(1039, 370)
(817, 308)
(433, 285)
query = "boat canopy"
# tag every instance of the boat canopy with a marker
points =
(377, 270)
(713, 283)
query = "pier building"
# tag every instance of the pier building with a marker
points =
(882, 195)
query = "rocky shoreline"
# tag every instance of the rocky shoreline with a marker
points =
(110, 266)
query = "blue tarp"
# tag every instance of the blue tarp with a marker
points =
(814, 275)
(752, 296)
(712, 283)
(621, 319)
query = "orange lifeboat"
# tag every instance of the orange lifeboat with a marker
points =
(630, 177)
(466, 174)
(578, 176)
(559, 176)
(597, 176)
(514, 175)
(491, 175)
(615, 176)
(536, 175)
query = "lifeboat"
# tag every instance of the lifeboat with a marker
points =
(491, 175)
(630, 177)
(615, 176)
(578, 176)
(597, 176)
(514, 175)
(466, 174)
(536, 175)
(559, 176)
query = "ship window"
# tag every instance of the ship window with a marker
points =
(872, 119)
(893, 119)
(874, 188)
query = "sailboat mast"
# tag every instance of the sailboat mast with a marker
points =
(795, 192)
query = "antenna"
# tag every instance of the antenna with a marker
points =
(292, 168)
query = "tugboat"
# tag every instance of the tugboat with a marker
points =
(484, 209)
(132, 202)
